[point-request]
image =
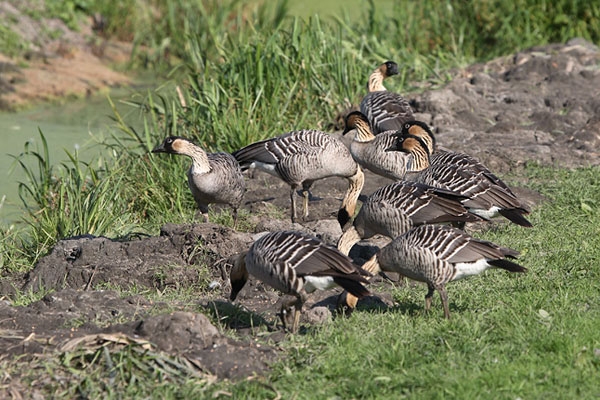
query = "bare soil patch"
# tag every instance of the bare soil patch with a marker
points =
(59, 62)
(538, 106)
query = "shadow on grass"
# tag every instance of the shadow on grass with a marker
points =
(237, 317)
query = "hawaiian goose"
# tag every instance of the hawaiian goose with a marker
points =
(385, 110)
(296, 264)
(212, 178)
(370, 151)
(438, 254)
(301, 157)
(439, 156)
(486, 197)
(394, 209)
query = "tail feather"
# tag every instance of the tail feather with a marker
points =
(516, 215)
(507, 265)
(352, 286)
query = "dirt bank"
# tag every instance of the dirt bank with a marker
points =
(59, 62)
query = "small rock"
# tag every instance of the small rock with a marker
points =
(318, 315)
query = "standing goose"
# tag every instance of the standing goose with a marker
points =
(438, 254)
(296, 264)
(385, 110)
(394, 209)
(370, 151)
(301, 157)
(212, 178)
(486, 197)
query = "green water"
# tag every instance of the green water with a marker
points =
(70, 126)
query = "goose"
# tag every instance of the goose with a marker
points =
(385, 110)
(394, 209)
(438, 254)
(486, 197)
(296, 264)
(370, 151)
(443, 156)
(212, 178)
(301, 157)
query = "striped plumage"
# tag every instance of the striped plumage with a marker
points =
(394, 209)
(439, 156)
(487, 195)
(212, 178)
(301, 157)
(438, 254)
(296, 264)
(385, 110)
(370, 150)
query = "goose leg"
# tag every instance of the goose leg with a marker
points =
(305, 197)
(305, 194)
(234, 213)
(293, 201)
(202, 211)
(429, 296)
(297, 311)
(444, 296)
(287, 315)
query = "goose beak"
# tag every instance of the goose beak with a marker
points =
(159, 149)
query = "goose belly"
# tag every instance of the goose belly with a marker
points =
(312, 283)
(463, 270)
(485, 214)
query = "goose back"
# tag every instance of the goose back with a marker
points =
(295, 263)
(394, 209)
(438, 254)
(299, 156)
(386, 111)
(485, 198)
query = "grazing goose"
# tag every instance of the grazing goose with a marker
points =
(385, 110)
(438, 156)
(301, 157)
(296, 264)
(438, 254)
(370, 151)
(394, 209)
(212, 178)
(486, 197)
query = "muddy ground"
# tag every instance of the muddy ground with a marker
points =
(541, 105)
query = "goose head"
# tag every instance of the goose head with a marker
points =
(388, 68)
(172, 145)
(356, 120)
(238, 275)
